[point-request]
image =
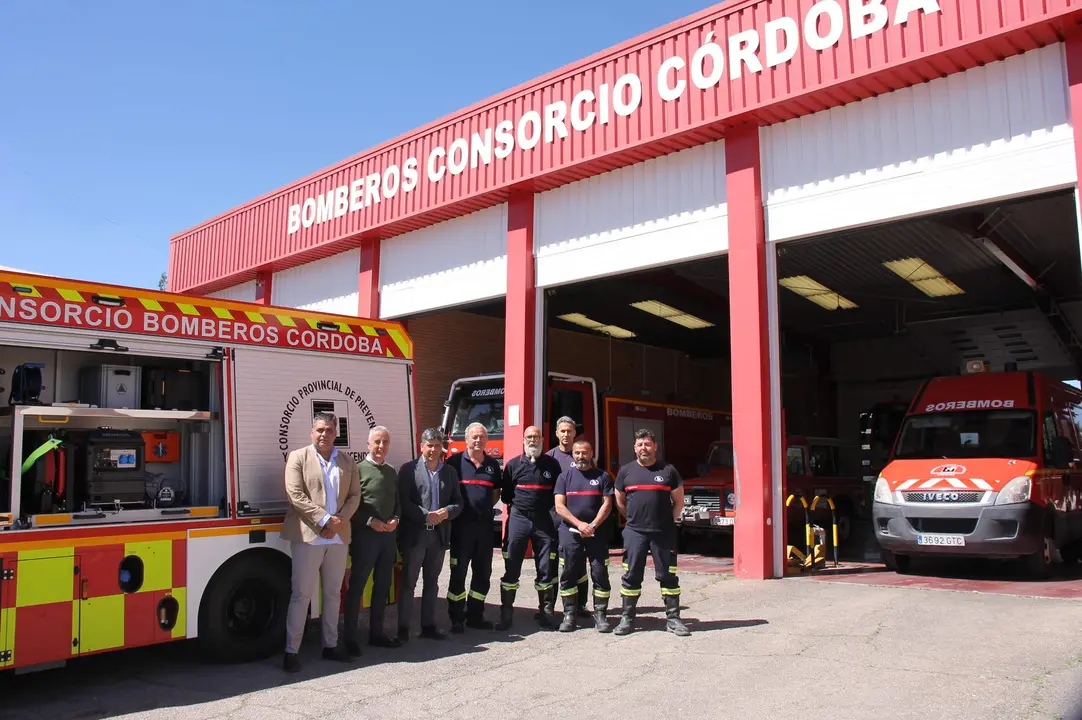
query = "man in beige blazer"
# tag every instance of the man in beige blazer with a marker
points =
(324, 490)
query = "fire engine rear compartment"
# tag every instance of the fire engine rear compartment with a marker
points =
(105, 437)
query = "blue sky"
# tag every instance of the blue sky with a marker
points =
(126, 122)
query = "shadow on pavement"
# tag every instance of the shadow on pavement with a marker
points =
(178, 675)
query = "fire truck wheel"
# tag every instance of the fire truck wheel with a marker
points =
(243, 614)
(897, 563)
(1038, 566)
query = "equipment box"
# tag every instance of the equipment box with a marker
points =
(174, 390)
(111, 386)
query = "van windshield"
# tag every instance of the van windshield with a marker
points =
(481, 405)
(969, 434)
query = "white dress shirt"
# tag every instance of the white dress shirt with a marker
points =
(331, 482)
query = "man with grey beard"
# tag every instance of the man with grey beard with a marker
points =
(527, 485)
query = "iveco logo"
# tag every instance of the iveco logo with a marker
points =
(939, 497)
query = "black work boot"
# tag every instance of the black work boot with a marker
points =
(584, 593)
(475, 615)
(546, 606)
(456, 610)
(627, 620)
(570, 605)
(507, 609)
(601, 609)
(673, 623)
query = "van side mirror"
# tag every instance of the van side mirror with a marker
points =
(702, 469)
(1062, 453)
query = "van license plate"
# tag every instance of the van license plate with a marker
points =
(724, 521)
(938, 539)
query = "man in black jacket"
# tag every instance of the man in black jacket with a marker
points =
(430, 497)
(528, 482)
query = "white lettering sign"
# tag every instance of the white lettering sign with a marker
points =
(749, 51)
(969, 405)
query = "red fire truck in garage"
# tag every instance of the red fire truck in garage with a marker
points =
(608, 422)
(813, 466)
(985, 464)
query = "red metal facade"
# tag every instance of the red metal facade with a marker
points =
(955, 35)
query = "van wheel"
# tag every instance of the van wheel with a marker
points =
(1039, 565)
(897, 563)
(844, 514)
(243, 614)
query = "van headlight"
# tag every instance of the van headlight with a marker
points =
(1016, 491)
(883, 493)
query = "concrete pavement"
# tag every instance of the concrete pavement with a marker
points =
(795, 648)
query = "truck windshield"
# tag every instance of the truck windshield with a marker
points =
(478, 405)
(721, 456)
(969, 434)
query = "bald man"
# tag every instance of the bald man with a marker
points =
(527, 488)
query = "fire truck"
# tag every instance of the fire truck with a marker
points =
(986, 464)
(142, 449)
(813, 466)
(608, 422)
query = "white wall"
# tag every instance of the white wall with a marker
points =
(451, 263)
(989, 133)
(328, 285)
(245, 292)
(664, 210)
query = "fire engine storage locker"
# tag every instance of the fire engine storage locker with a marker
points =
(111, 386)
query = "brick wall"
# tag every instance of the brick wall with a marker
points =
(456, 344)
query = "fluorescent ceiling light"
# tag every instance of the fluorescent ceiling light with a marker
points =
(818, 293)
(672, 314)
(923, 276)
(614, 330)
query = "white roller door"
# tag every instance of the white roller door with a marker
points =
(278, 392)
(452, 263)
(993, 132)
(668, 209)
(327, 285)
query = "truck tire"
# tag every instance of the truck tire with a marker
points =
(242, 616)
(900, 564)
(1038, 566)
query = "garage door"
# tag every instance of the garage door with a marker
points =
(452, 263)
(664, 210)
(997, 131)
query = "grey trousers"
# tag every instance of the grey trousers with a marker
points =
(312, 563)
(427, 555)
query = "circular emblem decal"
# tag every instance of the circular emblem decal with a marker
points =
(595, 481)
(948, 470)
(547, 474)
(659, 479)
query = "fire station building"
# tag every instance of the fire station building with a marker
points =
(789, 210)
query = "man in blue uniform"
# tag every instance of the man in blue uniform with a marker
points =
(528, 482)
(566, 430)
(583, 501)
(650, 494)
(471, 532)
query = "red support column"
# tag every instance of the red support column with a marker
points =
(753, 544)
(519, 333)
(368, 280)
(263, 286)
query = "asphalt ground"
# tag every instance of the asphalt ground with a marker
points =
(793, 648)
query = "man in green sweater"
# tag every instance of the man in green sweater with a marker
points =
(372, 548)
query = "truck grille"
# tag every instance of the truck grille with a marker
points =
(709, 499)
(943, 497)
